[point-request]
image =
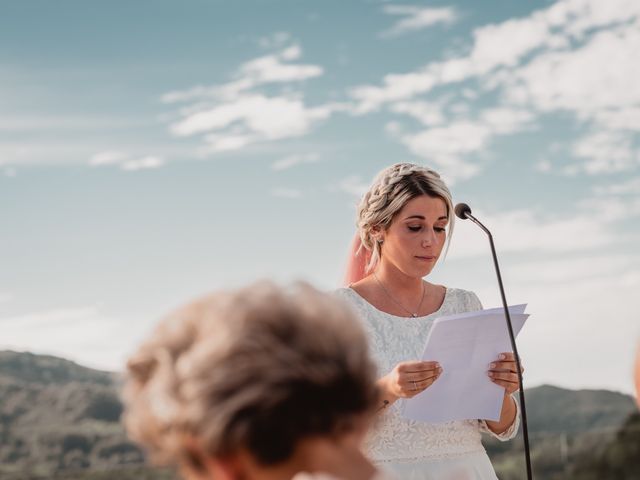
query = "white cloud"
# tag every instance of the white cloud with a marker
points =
(417, 18)
(107, 158)
(250, 119)
(276, 40)
(531, 233)
(353, 185)
(254, 73)
(143, 163)
(447, 146)
(606, 152)
(82, 333)
(49, 317)
(235, 115)
(427, 113)
(575, 56)
(293, 160)
(125, 161)
(628, 187)
(286, 193)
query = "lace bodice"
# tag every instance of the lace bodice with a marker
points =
(396, 339)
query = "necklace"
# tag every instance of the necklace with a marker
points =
(414, 315)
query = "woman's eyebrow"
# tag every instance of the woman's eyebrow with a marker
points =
(420, 217)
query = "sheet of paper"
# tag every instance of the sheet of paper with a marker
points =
(464, 345)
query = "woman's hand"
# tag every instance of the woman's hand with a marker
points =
(408, 379)
(504, 372)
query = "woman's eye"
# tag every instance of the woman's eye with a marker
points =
(415, 229)
(440, 229)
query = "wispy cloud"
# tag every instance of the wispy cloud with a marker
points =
(274, 68)
(354, 185)
(294, 160)
(49, 317)
(549, 62)
(417, 18)
(236, 114)
(628, 187)
(530, 232)
(125, 161)
(446, 146)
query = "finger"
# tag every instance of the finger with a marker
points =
(418, 377)
(417, 367)
(504, 366)
(508, 376)
(426, 383)
(421, 383)
(508, 356)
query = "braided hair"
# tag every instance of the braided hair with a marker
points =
(392, 188)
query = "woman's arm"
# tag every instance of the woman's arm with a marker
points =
(507, 416)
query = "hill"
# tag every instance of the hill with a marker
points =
(60, 420)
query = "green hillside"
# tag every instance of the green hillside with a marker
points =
(60, 420)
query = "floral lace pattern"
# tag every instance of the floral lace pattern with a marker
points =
(395, 339)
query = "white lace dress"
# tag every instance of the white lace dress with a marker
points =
(414, 450)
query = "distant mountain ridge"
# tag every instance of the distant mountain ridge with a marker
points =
(60, 420)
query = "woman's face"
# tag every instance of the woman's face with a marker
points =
(414, 240)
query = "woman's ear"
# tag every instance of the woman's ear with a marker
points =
(377, 234)
(200, 465)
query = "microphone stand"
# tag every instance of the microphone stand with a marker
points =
(525, 430)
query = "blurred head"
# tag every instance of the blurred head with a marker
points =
(250, 373)
(391, 192)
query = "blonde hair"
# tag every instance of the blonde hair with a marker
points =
(392, 188)
(256, 368)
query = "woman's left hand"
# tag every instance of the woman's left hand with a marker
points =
(504, 372)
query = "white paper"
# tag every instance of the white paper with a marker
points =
(465, 344)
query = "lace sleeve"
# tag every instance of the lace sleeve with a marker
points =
(510, 432)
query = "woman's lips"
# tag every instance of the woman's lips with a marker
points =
(426, 258)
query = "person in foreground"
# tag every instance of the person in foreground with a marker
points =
(257, 383)
(402, 221)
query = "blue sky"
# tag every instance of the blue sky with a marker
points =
(151, 151)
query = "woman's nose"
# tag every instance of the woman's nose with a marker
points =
(428, 238)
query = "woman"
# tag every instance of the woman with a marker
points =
(402, 227)
(261, 383)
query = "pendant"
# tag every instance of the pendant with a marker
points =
(414, 315)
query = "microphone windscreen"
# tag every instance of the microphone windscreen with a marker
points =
(462, 209)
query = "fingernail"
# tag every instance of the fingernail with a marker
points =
(491, 374)
(493, 365)
(502, 356)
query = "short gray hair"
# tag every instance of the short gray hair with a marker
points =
(257, 368)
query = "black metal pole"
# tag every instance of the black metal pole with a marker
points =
(523, 410)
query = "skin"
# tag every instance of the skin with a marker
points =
(411, 246)
(339, 456)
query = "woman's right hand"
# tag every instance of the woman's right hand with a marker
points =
(408, 379)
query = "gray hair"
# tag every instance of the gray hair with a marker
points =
(258, 368)
(392, 188)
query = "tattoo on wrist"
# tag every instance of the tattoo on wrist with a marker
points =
(385, 404)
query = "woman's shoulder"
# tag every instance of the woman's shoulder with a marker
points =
(465, 300)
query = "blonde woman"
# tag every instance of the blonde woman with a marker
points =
(404, 222)
(260, 383)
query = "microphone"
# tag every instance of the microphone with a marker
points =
(463, 211)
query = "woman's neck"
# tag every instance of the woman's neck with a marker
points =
(397, 283)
